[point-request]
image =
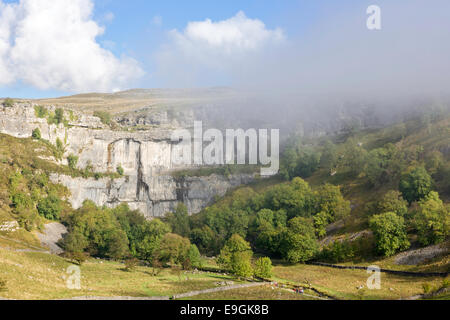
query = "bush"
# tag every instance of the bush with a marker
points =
(131, 264)
(337, 252)
(390, 233)
(263, 268)
(8, 103)
(59, 115)
(50, 207)
(104, 116)
(40, 111)
(72, 161)
(36, 134)
(76, 257)
(120, 170)
(2, 285)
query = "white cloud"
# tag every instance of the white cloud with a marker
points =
(52, 45)
(208, 47)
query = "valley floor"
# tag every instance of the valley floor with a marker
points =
(34, 275)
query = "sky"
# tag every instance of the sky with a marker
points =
(53, 48)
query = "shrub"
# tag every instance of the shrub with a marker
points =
(8, 103)
(36, 134)
(72, 161)
(131, 264)
(120, 170)
(263, 268)
(104, 116)
(2, 285)
(76, 257)
(50, 207)
(40, 111)
(59, 115)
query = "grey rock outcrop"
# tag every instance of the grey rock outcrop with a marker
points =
(145, 156)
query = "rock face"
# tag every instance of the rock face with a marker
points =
(145, 156)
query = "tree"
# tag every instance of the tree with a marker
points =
(179, 220)
(72, 161)
(329, 199)
(321, 220)
(236, 256)
(393, 202)
(432, 220)
(120, 170)
(390, 233)
(173, 249)
(263, 268)
(50, 207)
(299, 243)
(193, 257)
(416, 184)
(36, 134)
(378, 165)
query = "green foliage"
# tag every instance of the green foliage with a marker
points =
(390, 233)
(72, 161)
(100, 229)
(353, 157)
(179, 220)
(76, 257)
(263, 268)
(393, 202)
(236, 256)
(120, 170)
(329, 199)
(321, 220)
(59, 149)
(59, 116)
(432, 220)
(8, 103)
(299, 243)
(173, 249)
(104, 117)
(416, 184)
(144, 236)
(40, 111)
(299, 161)
(50, 207)
(36, 134)
(338, 252)
(380, 165)
(193, 258)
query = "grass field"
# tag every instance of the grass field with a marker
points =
(266, 292)
(33, 275)
(343, 284)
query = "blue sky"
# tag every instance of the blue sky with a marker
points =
(106, 45)
(130, 29)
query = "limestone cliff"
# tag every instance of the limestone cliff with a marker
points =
(145, 156)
